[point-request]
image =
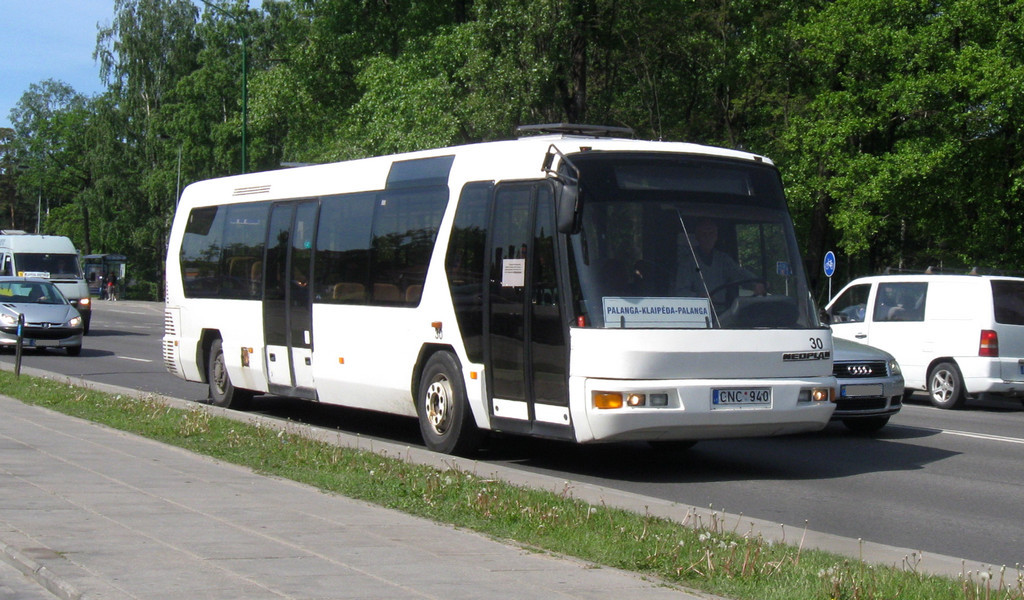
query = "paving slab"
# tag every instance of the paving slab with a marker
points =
(91, 513)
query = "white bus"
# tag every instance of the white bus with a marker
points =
(543, 286)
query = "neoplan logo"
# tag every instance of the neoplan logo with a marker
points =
(798, 356)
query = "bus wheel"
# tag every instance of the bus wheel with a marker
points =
(446, 420)
(945, 386)
(222, 392)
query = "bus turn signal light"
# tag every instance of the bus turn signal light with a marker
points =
(607, 400)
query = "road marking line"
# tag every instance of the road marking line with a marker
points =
(145, 360)
(984, 436)
(968, 434)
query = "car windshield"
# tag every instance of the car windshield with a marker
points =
(48, 265)
(686, 242)
(30, 292)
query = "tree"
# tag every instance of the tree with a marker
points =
(900, 145)
(8, 179)
(48, 122)
(149, 47)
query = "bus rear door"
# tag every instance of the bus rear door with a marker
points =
(287, 312)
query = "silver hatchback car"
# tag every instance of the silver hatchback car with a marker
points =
(50, 320)
(870, 389)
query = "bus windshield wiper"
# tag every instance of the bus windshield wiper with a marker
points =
(700, 272)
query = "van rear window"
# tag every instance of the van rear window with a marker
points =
(1008, 301)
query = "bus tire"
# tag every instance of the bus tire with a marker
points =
(446, 421)
(946, 386)
(222, 392)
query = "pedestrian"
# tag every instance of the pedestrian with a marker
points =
(112, 287)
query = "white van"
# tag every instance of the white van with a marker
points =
(954, 336)
(51, 257)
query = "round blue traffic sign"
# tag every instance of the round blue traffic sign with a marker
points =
(830, 263)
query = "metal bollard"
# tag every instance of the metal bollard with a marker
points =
(17, 347)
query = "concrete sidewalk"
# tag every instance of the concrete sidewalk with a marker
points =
(93, 513)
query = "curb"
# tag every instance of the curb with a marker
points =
(40, 574)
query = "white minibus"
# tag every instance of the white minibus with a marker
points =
(558, 285)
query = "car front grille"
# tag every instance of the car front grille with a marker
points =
(48, 331)
(858, 370)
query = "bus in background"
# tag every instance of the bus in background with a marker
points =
(52, 257)
(103, 269)
(554, 285)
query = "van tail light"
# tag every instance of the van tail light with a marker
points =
(989, 345)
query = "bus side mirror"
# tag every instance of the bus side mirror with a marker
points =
(568, 196)
(824, 317)
(568, 206)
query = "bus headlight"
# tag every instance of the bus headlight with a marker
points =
(86, 301)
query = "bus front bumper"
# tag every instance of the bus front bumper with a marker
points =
(699, 409)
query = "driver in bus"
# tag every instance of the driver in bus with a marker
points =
(719, 270)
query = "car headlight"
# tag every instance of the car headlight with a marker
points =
(75, 322)
(7, 319)
(894, 368)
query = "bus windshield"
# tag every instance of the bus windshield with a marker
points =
(677, 241)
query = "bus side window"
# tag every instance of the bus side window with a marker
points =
(342, 258)
(405, 225)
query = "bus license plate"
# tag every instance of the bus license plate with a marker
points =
(741, 398)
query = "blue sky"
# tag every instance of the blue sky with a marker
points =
(49, 39)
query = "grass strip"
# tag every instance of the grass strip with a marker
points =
(704, 554)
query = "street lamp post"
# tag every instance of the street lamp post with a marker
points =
(177, 187)
(245, 74)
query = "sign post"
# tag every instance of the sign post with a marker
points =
(830, 269)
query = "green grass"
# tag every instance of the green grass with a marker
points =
(703, 554)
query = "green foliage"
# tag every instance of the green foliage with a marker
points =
(895, 123)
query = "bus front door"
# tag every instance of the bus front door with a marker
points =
(526, 355)
(287, 311)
